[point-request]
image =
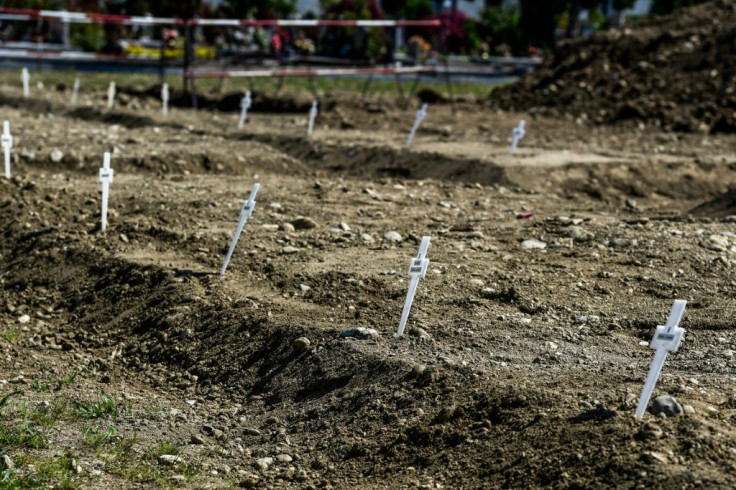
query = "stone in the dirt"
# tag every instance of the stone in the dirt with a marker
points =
(6, 463)
(289, 250)
(287, 227)
(667, 405)
(533, 245)
(344, 226)
(304, 288)
(263, 463)
(303, 223)
(24, 319)
(365, 237)
(196, 439)
(650, 431)
(249, 481)
(446, 414)
(719, 243)
(392, 236)
(419, 332)
(56, 156)
(284, 458)
(654, 457)
(360, 333)
(300, 344)
(251, 431)
(169, 459)
(578, 234)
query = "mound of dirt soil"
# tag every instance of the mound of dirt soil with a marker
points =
(674, 71)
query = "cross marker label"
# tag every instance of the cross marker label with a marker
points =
(666, 339)
(421, 114)
(245, 213)
(417, 270)
(7, 144)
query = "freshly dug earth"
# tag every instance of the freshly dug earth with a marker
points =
(521, 367)
(675, 72)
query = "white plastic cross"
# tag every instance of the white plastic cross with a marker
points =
(666, 339)
(165, 98)
(106, 178)
(245, 213)
(110, 95)
(417, 270)
(26, 78)
(519, 133)
(75, 91)
(312, 116)
(7, 144)
(245, 103)
(421, 114)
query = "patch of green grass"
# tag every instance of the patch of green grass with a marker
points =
(9, 336)
(105, 406)
(37, 385)
(48, 415)
(13, 480)
(66, 381)
(22, 436)
(6, 399)
(57, 471)
(95, 437)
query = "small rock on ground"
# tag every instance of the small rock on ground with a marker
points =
(667, 405)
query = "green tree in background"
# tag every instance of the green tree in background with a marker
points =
(409, 9)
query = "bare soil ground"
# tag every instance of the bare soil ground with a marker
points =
(521, 368)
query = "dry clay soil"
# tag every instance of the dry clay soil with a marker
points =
(520, 367)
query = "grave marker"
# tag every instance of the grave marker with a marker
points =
(519, 133)
(106, 174)
(75, 91)
(421, 114)
(312, 116)
(666, 339)
(165, 98)
(111, 95)
(245, 104)
(245, 213)
(26, 78)
(417, 270)
(7, 144)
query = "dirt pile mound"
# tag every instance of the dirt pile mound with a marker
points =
(675, 71)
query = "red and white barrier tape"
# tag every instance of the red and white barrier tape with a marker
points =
(315, 23)
(311, 73)
(90, 18)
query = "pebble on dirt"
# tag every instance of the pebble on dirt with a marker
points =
(533, 245)
(392, 236)
(300, 344)
(359, 333)
(302, 223)
(667, 405)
